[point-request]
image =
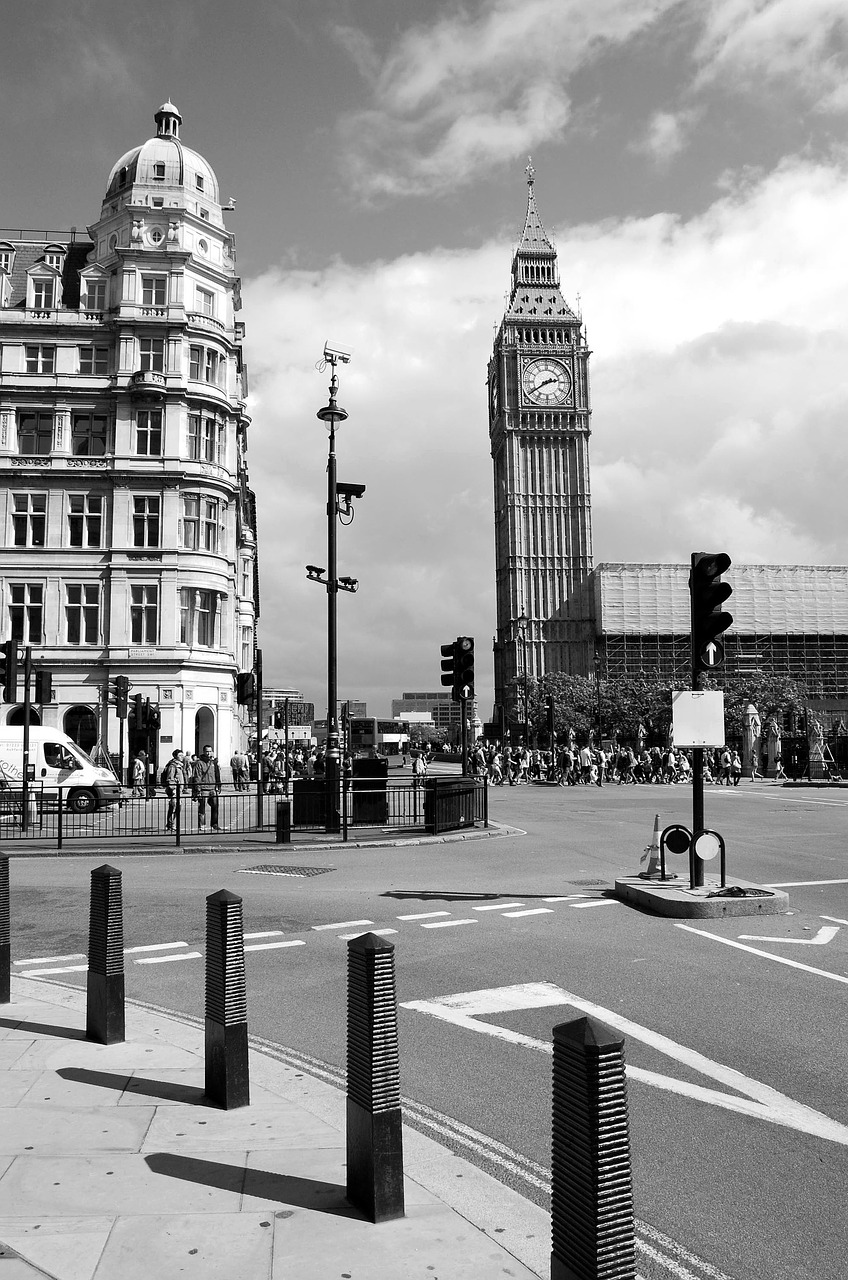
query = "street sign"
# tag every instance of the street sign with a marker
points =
(707, 845)
(698, 718)
(712, 654)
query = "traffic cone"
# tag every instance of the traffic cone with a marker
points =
(652, 853)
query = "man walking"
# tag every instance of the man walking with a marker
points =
(239, 766)
(174, 781)
(207, 786)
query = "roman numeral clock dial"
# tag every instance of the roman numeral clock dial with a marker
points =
(546, 382)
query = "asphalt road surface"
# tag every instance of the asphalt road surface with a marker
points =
(734, 1029)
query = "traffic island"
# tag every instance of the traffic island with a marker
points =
(673, 897)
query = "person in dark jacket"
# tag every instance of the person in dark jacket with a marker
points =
(206, 781)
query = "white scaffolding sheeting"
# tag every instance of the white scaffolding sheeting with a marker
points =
(777, 599)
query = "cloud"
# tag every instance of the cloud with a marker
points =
(666, 135)
(720, 392)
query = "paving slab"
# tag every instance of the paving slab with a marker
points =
(675, 898)
(75, 1086)
(276, 1127)
(181, 1246)
(66, 1247)
(179, 1087)
(52, 1055)
(310, 1179)
(57, 1130)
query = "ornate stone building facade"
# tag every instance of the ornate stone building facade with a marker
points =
(129, 524)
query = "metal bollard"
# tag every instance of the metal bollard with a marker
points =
(104, 1019)
(374, 1133)
(5, 934)
(592, 1226)
(283, 822)
(227, 1072)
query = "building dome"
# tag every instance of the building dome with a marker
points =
(163, 161)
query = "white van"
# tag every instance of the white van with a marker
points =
(55, 761)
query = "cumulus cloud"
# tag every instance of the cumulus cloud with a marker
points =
(666, 135)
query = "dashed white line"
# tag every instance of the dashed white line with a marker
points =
(50, 959)
(424, 915)
(186, 955)
(270, 946)
(599, 902)
(569, 897)
(154, 946)
(447, 924)
(340, 924)
(534, 911)
(835, 919)
(37, 973)
(800, 884)
(268, 933)
(346, 937)
(498, 906)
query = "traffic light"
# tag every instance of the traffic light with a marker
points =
(708, 593)
(10, 671)
(43, 687)
(245, 687)
(448, 651)
(154, 716)
(122, 689)
(463, 668)
(278, 719)
(138, 712)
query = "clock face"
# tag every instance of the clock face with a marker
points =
(546, 382)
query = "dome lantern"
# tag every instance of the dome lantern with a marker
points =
(168, 121)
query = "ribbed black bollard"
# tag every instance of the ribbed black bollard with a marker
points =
(283, 822)
(5, 934)
(227, 1072)
(374, 1133)
(104, 1019)
(593, 1231)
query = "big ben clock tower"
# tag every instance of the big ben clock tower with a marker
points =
(539, 414)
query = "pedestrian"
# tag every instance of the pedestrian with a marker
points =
(174, 782)
(206, 782)
(726, 762)
(735, 768)
(139, 776)
(240, 767)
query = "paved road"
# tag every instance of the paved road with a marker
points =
(735, 1043)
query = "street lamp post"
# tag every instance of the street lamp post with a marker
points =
(522, 632)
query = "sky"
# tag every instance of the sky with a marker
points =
(691, 167)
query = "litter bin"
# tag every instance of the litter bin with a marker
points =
(309, 803)
(368, 787)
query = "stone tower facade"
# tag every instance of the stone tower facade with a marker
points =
(539, 426)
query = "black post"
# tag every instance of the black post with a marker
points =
(60, 801)
(283, 822)
(27, 717)
(463, 711)
(374, 1134)
(227, 1076)
(178, 813)
(5, 934)
(696, 864)
(105, 983)
(257, 689)
(592, 1224)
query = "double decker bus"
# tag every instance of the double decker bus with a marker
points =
(379, 737)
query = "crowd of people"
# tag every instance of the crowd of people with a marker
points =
(588, 765)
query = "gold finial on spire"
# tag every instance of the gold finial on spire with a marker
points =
(530, 171)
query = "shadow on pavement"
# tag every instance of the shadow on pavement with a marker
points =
(170, 1090)
(302, 1193)
(42, 1028)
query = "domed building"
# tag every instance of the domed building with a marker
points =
(130, 524)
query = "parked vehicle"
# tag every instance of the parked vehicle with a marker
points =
(55, 761)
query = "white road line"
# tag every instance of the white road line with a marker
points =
(755, 951)
(424, 915)
(568, 897)
(597, 902)
(270, 946)
(801, 884)
(154, 946)
(269, 933)
(340, 924)
(835, 919)
(186, 955)
(346, 937)
(447, 924)
(37, 973)
(49, 959)
(825, 935)
(498, 906)
(535, 911)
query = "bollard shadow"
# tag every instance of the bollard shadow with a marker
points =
(43, 1028)
(433, 895)
(285, 1188)
(170, 1091)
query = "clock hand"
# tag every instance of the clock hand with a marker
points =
(545, 383)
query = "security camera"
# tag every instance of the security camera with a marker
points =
(348, 491)
(349, 584)
(313, 573)
(333, 354)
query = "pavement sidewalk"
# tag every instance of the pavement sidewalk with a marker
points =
(113, 1166)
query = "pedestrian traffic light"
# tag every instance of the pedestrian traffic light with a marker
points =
(122, 689)
(463, 668)
(154, 715)
(10, 671)
(138, 712)
(43, 687)
(278, 719)
(708, 593)
(448, 651)
(245, 687)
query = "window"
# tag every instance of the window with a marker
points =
(95, 295)
(7, 257)
(204, 439)
(245, 583)
(213, 361)
(85, 519)
(246, 649)
(191, 522)
(94, 361)
(43, 294)
(90, 435)
(198, 181)
(195, 360)
(154, 291)
(210, 440)
(35, 433)
(144, 614)
(204, 213)
(82, 613)
(40, 359)
(29, 519)
(194, 421)
(26, 612)
(55, 258)
(201, 522)
(198, 617)
(148, 432)
(206, 301)
(159, 171)
(146, 521)
(152, 354)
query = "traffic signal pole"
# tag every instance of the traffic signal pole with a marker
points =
(27, 714)
(706, 595)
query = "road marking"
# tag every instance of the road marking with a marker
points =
(341, 924)
(759, 1101)
(154, 946)
(825, 935)
(270, 946)
(499, 906)
(568, 897)
(835, 919)
(346, 937)
(793, 964)
(37, 973)
(597, 902)
(534, 911)
(424, 915)
(188, 955)
(49, 959)
(447, 924)
(268, 933)
(801, 884)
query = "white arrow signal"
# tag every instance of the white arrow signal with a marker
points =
(825, 934)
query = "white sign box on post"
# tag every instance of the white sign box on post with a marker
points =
(698, 718)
